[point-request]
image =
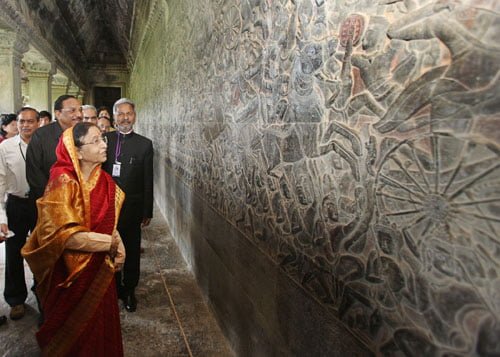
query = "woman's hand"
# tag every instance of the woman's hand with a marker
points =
(120, 254)
(89, 242)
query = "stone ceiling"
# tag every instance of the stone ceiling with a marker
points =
(80, 34)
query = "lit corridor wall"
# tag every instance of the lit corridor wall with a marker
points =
(353, 143)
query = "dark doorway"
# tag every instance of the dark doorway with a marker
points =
(106, 96)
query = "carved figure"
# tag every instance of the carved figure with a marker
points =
(468, 85)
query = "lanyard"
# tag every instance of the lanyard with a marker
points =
(22, 153)
(118, 149)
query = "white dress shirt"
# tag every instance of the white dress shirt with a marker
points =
(12, 171)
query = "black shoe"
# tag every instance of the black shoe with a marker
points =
(130, 302)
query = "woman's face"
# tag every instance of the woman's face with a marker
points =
(94, 147)
(10, 129)
(104, 124)
(104, 114)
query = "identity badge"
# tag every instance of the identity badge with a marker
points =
(116, 170)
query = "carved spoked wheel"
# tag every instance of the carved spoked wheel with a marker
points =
(231, 26)
(442, 188)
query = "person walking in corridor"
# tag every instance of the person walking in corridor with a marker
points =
(75, 250)
(89, 113)
(104, 120)
(17, 213)
(45, 118)
(130, 163)
(8, 127)
(41, 153)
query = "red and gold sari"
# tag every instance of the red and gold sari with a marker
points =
(76, 289)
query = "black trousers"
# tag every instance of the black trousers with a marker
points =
(21, 213)
(129, 227)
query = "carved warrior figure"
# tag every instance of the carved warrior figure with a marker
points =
(466, 87)
(296, 139)
(350, 247)
(382, 83)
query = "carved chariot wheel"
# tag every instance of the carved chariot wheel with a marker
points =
(231, 26)
(442, 188)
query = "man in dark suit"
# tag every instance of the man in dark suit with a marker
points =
(130, 163)
(41, 152)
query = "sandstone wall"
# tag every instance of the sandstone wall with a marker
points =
(330, 169)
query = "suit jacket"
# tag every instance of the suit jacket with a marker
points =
(136, 170)
(40, 156)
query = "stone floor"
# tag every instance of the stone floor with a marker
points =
(172, 318)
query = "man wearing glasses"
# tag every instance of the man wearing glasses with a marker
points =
(17, 210)
(130, 163)
(41, 153)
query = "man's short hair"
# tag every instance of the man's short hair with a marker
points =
(45, 113)
(23, 109)
(58, 104)
(122, 101)
(89, 106)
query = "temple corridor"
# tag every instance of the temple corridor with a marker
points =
(328, 170)
(172, 318)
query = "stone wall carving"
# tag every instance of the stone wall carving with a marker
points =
(356, 143)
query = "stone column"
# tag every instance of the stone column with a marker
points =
(24, 85)
(73, 89)
(12, 48)
(59, 87)
(39, 76)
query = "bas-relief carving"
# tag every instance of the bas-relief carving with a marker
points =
(357, 143)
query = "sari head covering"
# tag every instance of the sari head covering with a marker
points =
(73, 285)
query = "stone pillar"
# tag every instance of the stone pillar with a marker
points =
(73, 89)
(79, 93)
(59, 87)
(24, 85)
(39, 88)
(12, 48)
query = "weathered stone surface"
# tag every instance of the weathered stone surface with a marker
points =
(353, 144)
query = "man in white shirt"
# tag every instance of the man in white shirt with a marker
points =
(17, 211)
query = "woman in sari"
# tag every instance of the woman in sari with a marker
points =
(75, 250)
